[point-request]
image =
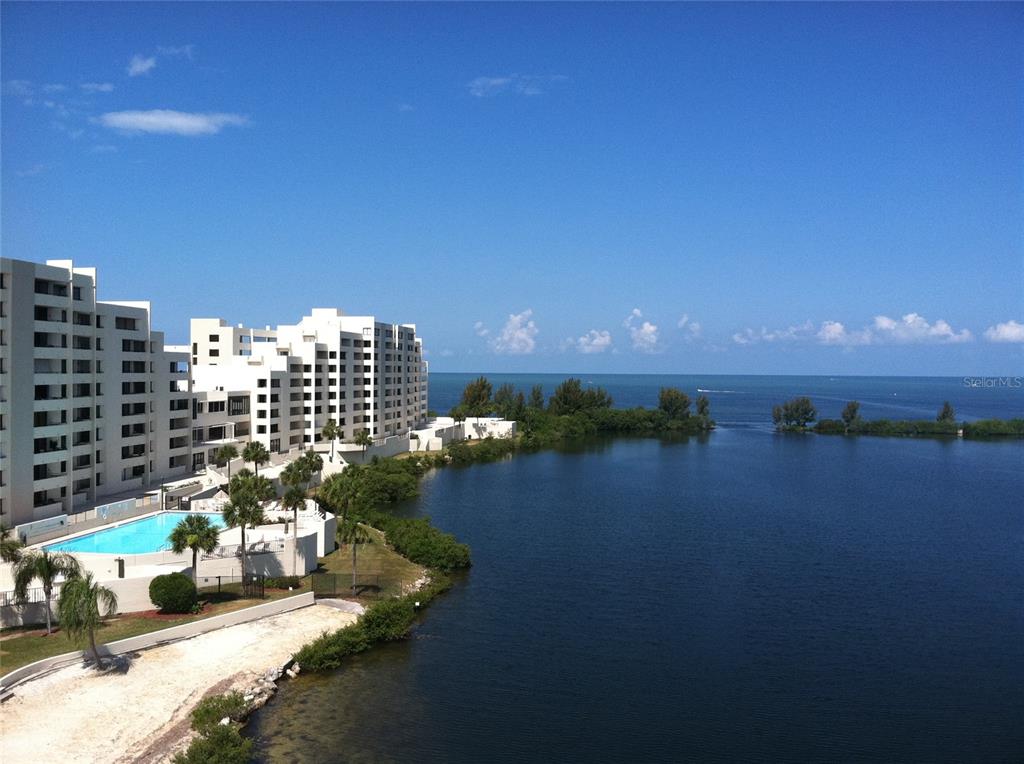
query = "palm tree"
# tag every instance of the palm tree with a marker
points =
(256, 453)
(226, 454)
(294, 499)
(332, 432)
(10, 548)
(47, 567)
(364, 439)
(245, 508)
(353, 533)
(313, 463)
(194, 532)
(79, 607)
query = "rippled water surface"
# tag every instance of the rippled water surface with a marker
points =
(745, 596)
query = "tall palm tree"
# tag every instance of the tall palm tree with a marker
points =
(10, 548)
(313, 463)
(351, 532)
(332, 432)
(194, 532)
(245, 508)
(364, 439)
(294, 499)
(79, 606)
(226, 454)
(256, 453)
(47, 567)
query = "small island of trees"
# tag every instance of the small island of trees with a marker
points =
(800, 415)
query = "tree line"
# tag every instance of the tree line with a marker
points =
(574, 410)
(800, 415)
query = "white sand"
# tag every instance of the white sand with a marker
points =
(78, 715)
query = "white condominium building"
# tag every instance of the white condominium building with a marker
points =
(362, 373)
(91, 402)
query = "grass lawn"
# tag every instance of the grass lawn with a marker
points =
(395, 571)
(22, 645)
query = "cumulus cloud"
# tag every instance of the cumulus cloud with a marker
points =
(480, 329)
(1009, 331)
(913, 328)
(97, 87)
(517, 336)
(594, 341)
(642, 334)
(140, 65)
(521, 84)
(691, 329)
(909, 329)
(166, 121)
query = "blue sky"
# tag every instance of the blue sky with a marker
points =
(641, 188)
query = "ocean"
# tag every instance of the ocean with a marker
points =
(740, 596)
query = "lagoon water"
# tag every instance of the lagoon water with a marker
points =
(741, 596)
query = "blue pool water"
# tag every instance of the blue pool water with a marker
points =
(148, 534)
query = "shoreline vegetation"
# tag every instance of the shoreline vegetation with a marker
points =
(800, 415)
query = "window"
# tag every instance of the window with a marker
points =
(214, 338)
(214, 353)
(123, 322)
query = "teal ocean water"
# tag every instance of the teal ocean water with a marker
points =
(744, 596)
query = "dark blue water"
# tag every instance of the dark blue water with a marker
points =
(742, 596)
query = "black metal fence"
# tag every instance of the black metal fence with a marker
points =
(249, 587)
(367, 585)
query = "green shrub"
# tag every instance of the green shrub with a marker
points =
(385, 621)
(994, 428)
(222, 744)
(209, 711)
(173, 593)
(830, 427)
(388, 621)
(417, 540)
(284, 582)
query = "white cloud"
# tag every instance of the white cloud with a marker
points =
(517, 336)
(21, 88)
(522, 84)
(594, 341)
(1010, 331)
(913, 328)
(166, 121)
(692, 329)
(446, 353)
(140, 65)
(834, 333)
(97, 87)
(910, 329)
(480, 329)
(54, 88)
(406, 107)
(644, 336)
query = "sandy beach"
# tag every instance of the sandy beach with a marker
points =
(78, 715)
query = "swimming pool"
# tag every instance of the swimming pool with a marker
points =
(148, 534)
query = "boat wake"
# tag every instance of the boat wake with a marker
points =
(702, 390)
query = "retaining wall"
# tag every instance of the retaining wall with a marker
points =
(155, 638)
